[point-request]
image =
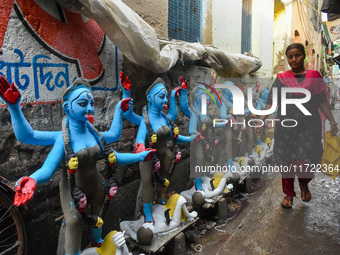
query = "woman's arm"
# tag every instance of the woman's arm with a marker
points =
(324, 107)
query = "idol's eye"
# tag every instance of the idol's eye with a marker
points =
(83, 104)
(161, 96)
(92, 103)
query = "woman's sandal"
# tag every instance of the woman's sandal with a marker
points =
(287, 202)
(306, 196)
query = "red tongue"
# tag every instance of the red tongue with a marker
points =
(165, 106)
(90, 118)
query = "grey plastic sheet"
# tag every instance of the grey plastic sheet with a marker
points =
(138, 41)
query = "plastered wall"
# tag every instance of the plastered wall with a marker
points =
(155, 13)
(226, 25)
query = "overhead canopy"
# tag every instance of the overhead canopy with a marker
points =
(138, 41)
(331, 6)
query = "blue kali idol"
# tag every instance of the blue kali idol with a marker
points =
(155, 129)
(80, 144)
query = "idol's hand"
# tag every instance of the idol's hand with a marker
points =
(9, 93)
(125, 81)
(184, 84)
(150, 153)
(197, 137)
(119, 239)
(139, 147)
(147, 154)
(177, 91)
(126, 104)
(24, 190)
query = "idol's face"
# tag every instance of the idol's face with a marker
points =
(158, 96)
(80, 104)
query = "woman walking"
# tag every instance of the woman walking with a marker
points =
(299, 148)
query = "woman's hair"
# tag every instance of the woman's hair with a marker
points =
(298, 46)
(78, 83)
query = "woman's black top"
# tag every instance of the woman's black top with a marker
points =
(304, 140)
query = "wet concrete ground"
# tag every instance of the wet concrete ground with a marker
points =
(264, 227)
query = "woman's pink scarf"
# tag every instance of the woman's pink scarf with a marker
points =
(312, 82)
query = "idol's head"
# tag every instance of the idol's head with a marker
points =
(78, 102)
(157, 95)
